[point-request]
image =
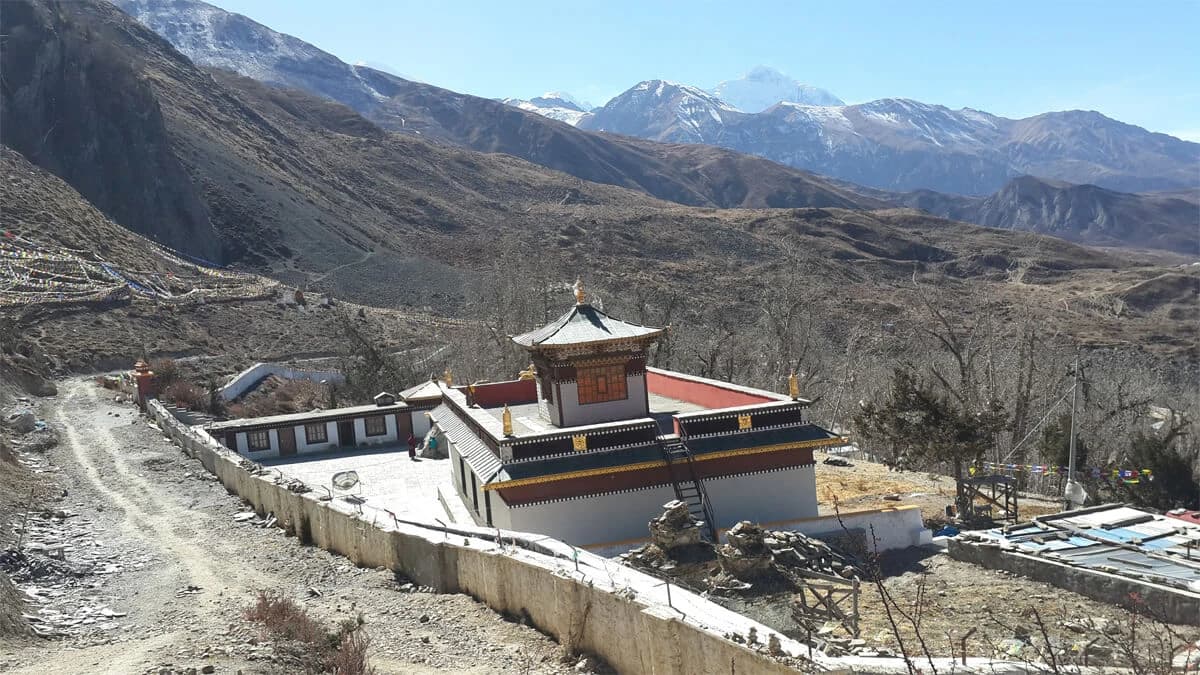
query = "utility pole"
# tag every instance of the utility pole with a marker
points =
(1071, 452)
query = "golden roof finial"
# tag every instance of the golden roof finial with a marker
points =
(506, 417)
(793, 386)
(580, 296)
(448, 377)
(529, 373)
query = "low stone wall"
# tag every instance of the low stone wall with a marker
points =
(252, 375)
(1173, 605)
(886, 529)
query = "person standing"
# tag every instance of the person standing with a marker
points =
(412, 447)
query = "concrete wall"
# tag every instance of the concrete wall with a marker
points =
(252, 375)
(892, 529)
(420, 423)
(1174, 605)
(712, 394)
(583, 601)
(574, 414)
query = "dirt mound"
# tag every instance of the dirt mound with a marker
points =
(1164, 290)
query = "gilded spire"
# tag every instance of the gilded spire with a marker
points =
(580, 296)
(793, 386)
(506, 417)
(448, 377)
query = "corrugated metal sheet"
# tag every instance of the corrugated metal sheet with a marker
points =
(1111, 540)
(480, 457)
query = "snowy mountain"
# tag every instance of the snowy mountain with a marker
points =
(665, 111)
(556, 105)
(902, 145)
(763, 87)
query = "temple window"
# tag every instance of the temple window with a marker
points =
(598, 384)
(258, 440)
(316, 433)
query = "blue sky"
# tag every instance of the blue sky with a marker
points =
(1136, 62)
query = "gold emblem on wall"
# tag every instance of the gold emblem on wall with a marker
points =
(579, 442)
(743, 421)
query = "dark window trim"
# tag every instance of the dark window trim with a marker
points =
(310, 437)
(255, 447)
(367, 425)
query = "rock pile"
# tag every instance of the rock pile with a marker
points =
(746, 556)
(675, 528)
(795, 550)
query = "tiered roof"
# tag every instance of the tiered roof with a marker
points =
(584, 324)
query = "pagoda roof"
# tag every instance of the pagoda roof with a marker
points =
(584, 324)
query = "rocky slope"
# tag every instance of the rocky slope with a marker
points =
(1077, 212)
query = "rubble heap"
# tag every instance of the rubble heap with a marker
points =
(795, 550)
(747, 555)
(675, 528)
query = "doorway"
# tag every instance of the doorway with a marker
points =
(346, 434)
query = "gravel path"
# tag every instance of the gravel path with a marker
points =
(165, 571)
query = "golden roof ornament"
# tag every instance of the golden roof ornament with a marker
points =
(793, 386)
(580, 296)
(506, 417)
(448, 377)
(529, 373)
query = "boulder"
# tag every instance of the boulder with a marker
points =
(22, 421)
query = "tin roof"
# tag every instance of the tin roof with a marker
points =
(305, 417)
(584, 324)
(480, 457)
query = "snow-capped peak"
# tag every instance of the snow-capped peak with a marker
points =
(764, 86)
(566, 100)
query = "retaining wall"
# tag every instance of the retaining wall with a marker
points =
(251, 376)
(1173, 605)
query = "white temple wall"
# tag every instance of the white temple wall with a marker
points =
(304, 447)
(420, 423)
(764, 497)
(593, 520)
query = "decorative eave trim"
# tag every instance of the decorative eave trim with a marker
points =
(587, 473)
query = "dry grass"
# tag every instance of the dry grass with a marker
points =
(342, 651)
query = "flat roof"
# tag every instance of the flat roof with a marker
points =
(527, 419)
(305, 417)
(1112, 538)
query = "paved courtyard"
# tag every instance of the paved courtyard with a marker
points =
(387, 480)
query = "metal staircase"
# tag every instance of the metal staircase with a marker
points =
(689, 489)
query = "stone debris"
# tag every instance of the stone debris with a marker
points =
(796, 551)
(61, 571)
(746, 557)
(21, 421)
(676, 527)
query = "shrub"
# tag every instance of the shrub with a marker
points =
(342, 651)
(186, 395)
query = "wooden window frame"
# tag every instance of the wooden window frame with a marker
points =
(257, 447)
(367, 425)
(312, 438)
(601, 384)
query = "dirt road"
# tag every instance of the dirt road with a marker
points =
(182, 570)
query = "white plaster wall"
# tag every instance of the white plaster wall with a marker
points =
(593, 520)
(250, 376)
(764, 497)
(632, 407)
(363, 440)
(896, 528)
(420, 423)
(303, 446)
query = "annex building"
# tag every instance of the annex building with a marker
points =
(589, 443)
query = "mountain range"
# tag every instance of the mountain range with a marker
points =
(889, 152)
(295, 186)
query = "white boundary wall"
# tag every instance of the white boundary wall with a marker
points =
(252, 375)
(586, 602)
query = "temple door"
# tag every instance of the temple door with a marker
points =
(287, 441)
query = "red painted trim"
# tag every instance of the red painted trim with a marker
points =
(499, 393)
(700, 393)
